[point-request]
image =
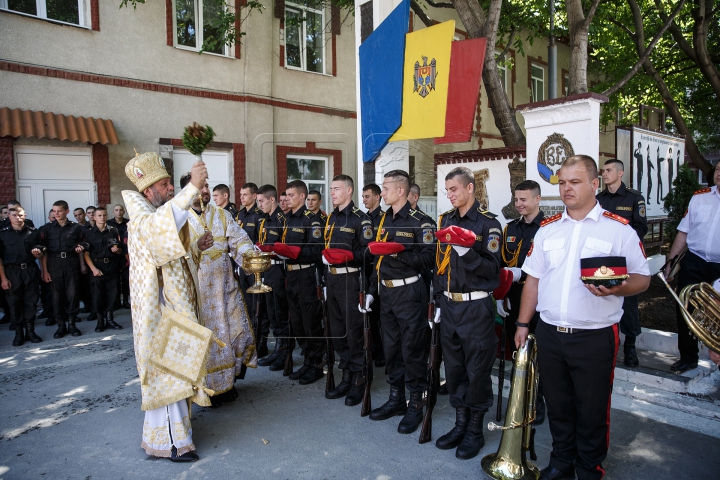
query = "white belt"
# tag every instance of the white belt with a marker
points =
(400, 282)
(339, 270)
(291, 267)
(276, 262)
(465, 297)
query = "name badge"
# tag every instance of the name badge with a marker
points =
(404, 234)
(348, 230)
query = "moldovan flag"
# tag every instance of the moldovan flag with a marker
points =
(466, 67)
(425, 82)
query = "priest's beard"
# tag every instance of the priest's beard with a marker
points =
(157, 199)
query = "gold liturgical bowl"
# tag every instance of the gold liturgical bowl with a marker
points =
(257, 263)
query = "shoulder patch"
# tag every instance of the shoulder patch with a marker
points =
(317, 232)
(486, 213)
(550, 220)
(615, 217)
(428, 236)
(367, 230)
(702, 190)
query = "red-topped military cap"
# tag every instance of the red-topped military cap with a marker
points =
(289, 251)
(506, 280)
(455, 235)
(337, 256)
(385, 248)
(265, 248)
(606, 271)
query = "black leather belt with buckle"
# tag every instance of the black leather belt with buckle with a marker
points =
(101, 260)
(570, 330)
(21, 266)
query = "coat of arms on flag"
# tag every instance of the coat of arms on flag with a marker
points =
(424, 80)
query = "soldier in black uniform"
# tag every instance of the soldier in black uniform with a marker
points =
(120, 223)
(462, 289)
(90, 210)
(62, 265)
(629, 204)
(371, 200)
(269, 232)
(6, 222)
(104, 257)
(20, 275)
(46, 291)
(249, 218)
(300, 245)
(347, 233)
(404, 300)
(221, 197)
(84, 289)
(517, 239)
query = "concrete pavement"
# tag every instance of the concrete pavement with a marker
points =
(71, 409)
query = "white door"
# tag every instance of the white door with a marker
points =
(219, 166)
(44, 176)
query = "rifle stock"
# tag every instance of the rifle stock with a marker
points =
(290, 346)
(433, 377)
(367, 364)
(329, 350)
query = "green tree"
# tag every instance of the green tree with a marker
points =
(678, 199)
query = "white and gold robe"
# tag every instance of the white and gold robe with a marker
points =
(223, 305)
(162, 272)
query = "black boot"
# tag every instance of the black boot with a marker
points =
(43, 314)
(19, 336)
(355, 395)
(50, 321)
(631, 357)
(453, 438)
(267, 361)
(262, 349)
(72, 329)
(30, 332)
(342, 388)
(297, 375)
(61, 331)
(92, 316)
(539, 410)
(313, 374)
(279, 363)
(394, 406)
(100, 327)
(474, 440)
(414, 414)
(110, 322)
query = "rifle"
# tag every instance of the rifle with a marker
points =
(501, 370)
(368, 364)
(329, 350)
(434, 360)
(290, 347)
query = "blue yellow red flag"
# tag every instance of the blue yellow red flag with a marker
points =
(425, 82)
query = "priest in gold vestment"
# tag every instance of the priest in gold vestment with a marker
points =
(163, 276)
(223, 304)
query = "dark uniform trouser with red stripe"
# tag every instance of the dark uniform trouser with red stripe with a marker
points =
(577, 370)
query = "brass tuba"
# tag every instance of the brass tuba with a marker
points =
(510, 462)
(704, 321)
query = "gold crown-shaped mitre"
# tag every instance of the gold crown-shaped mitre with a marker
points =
(145, 170)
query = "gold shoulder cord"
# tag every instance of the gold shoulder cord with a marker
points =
(513, 255)
(262, 233)
(284, 234)
(328, 235)
(444, 264)
(380, 238)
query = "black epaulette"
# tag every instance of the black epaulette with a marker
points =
(357, 211)
(487, 213)
(633, 191)
(281, 216)
(257, 210)
(416, 214)
(308, 213)
(5, 229)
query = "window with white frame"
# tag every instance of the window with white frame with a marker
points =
(313, 171)
(566, 77)
(194, 24)
(505, 73)
(65, 11)
(537, 79)
(304, 35)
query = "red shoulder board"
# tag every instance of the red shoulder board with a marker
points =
(617, 218)
(702, 190)
(550, 220)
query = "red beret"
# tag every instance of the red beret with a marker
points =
(289, 251)
(337, 256)
(455, 235)
(265, 248)
(506, 280)
(385, 248)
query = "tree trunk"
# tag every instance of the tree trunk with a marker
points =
(579, 25)
(703, 16)
(478, 24)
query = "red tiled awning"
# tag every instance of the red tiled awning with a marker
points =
(28, 123)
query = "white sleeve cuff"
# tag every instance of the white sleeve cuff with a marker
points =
(181, 216)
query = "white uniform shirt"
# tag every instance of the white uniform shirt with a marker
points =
(558, 247)
(701, 224)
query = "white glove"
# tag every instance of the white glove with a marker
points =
(517, 273)
(500, 310)
(461, 250)
(436, 319)
(281, 257)
(325, 293)
(325, 261)
(368, 300)
(256, 248)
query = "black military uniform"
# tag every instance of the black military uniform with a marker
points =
(63, 264)
(24, 276)
(303, 229)
(249, 220)
(462, 289)
(6, 223)
(348, 229)
(269, 232)
(104, 287)
(629, 204)
(378, 351)
(124, 272)
(232, 210)
(46, 298)
(403, 311)
(3, 301)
